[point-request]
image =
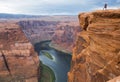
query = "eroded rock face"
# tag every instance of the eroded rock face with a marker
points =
(65, 36)
(61, 33)
(37, 30)
(18, 60)
(116, 79)
(96, 56)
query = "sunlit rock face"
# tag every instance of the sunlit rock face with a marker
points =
(96, 55)
(18, 60)
(116, 79)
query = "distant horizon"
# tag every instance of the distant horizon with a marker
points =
(54, 7)
(39, 14)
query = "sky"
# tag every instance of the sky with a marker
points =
(54, 7)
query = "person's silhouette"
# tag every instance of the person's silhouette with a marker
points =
(105, 6)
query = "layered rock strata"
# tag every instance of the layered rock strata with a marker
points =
(61, 33)
(116, 79)
(96, 56)
(18, 60)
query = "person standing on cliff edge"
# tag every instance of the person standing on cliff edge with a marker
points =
(105, 6)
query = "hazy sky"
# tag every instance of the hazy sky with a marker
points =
(54, 7)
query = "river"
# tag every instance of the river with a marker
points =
(60, 63)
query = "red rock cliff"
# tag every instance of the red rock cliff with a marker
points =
(96, 56)
(18, 61)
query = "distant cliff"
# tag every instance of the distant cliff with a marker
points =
(61, 33)
(18, 60)
(96, 56)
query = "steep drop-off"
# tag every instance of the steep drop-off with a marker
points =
(96, 56)
(18, 60)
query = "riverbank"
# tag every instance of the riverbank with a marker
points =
(44, 45)
(57, 61)
(47, 75)
(47, 54)
(60, 49)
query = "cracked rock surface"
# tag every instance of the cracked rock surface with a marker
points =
(18, 60)
(96, 55)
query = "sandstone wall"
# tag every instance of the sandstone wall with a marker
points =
(96, 56)
(18, 60)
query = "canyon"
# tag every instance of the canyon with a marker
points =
(96, 55)
(18, 60)
(61, 33)
(95, 43)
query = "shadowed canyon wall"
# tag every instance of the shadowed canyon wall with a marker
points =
(96, 55)
(18, 60)
(61, 33)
